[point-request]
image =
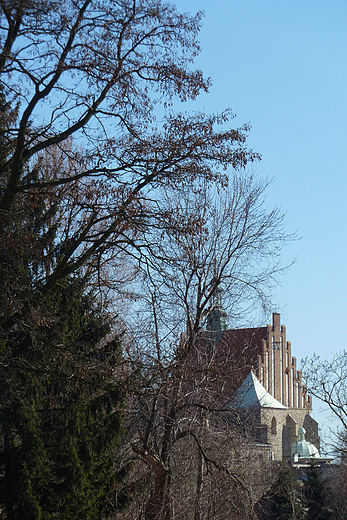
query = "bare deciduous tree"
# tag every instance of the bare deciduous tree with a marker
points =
(212, 237)
(116, 187)
(327, 380)
(95, 71)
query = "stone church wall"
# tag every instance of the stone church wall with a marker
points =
(282, 429)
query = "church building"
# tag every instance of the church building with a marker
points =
(263, 382)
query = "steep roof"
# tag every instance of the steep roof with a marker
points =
(252, 394)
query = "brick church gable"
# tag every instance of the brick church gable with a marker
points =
(227, 357)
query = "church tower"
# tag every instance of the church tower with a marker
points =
(216, 319)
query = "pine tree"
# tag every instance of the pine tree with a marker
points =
(315, 495)
(60, 404)
(282, 501)
(60, 413)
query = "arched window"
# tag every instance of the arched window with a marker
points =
(273, 426)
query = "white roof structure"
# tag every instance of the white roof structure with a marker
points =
(252, 394)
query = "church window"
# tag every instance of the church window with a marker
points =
(273, 426)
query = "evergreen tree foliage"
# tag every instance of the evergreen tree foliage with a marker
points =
(282, 501)
(315, 495)
(60, 404)
(60, 412)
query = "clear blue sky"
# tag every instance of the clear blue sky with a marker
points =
(281, 65)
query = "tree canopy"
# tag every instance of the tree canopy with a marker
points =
(106, 195)
(95, 72)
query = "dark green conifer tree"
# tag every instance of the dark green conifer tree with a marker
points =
(282, 501)
(60, 414)
(315, 495)
(60, 401)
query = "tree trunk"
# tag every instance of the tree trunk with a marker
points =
(159, 504)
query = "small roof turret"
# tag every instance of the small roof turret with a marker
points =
(303, 448)
(216, 319)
